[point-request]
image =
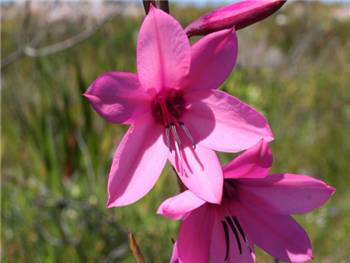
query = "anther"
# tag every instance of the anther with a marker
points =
(227, 239)
(167, 137)
(176, 135)
(240, 229)
(188, 134)
(234, 230)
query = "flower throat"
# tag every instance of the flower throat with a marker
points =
(167, 110)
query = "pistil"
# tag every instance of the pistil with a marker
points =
(164, 112)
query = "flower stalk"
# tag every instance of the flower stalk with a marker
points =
(162, 4)
(135, 248)
(147, 4)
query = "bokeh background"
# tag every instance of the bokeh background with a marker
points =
(56, 151)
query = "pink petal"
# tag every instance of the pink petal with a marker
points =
(178, 206)
(213, 59)
(118, 97)
(163, 52)
(194, 237)
(221, 122)
(174, 256)
(218, 247)
(286, 193)
(137, 164)
(238, 15)
(200, 171)
(278, 235)
(253, 163)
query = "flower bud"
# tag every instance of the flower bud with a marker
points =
(238, 15)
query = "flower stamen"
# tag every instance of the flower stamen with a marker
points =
(176, 135)
(240, 229)
(227, 239)
(167, 137)
(167, 110)
(188, 134)
(235, 232)
(234, 224)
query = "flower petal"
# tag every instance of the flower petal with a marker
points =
(137, 164)
(174, 255)
(286, 193)
(178, 206)
(200, 171)
(194, 237)
(221, 122)
(213, 59)
(253, 163)
(225, 247)
(118, 97)
(278, 235)
(238, 15)
(163, 52)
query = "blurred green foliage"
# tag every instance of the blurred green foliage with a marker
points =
(56, 151)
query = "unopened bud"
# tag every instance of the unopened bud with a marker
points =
(238, 15)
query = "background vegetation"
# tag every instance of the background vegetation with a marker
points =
(56, 152)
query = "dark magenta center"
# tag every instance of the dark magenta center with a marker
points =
(168, 108)
(229, 191)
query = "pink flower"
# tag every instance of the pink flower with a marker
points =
(255, 210)
(175, 111)
(174, 256)
(238, 15)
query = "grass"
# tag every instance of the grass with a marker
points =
(56, 151)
